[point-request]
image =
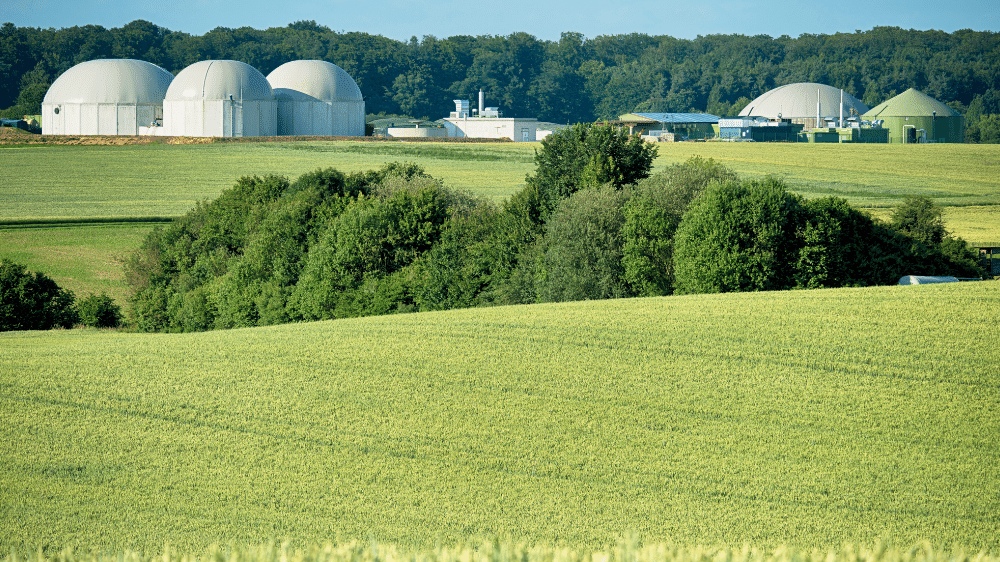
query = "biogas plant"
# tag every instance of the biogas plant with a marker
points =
(211, 98)
(226, 98)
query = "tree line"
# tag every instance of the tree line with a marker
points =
(575, 79)
(592, 222)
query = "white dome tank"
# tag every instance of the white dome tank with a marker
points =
(220, 98)
(798, 102)
(105, 97)
(317, 98)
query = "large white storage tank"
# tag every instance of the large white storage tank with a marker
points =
(317, 98)
(105, 97)
(220, 98)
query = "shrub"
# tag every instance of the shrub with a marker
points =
(99, 311)
(585, 155)
(32, 301)
(737, 236)
(651, 219)
(582, 248)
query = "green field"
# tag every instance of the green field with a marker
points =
(806, 418)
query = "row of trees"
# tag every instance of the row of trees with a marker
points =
(590, 223)
(574, 79)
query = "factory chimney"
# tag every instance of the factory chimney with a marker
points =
(482, 100)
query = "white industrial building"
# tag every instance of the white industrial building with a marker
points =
(317, 98)
(486, 123)
(219, 98)
(105, 97)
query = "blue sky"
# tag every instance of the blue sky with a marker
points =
(402, 19)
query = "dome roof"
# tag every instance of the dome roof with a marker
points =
(218, 80)
(798, 101)
(911, 103)
(315, 80)
(120, 81)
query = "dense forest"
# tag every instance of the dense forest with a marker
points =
(575, 79)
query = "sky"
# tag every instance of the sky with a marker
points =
(547, 20)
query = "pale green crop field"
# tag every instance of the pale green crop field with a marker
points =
(867, 175)
(46, 182)
(804, 418)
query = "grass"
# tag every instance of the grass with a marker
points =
(84, 258)
(803, 418)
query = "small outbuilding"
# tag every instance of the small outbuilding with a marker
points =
(105, 97)
(317, 98)
(913, 117)
(220, 98)
(675, 126)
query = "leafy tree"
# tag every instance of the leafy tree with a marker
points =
(582, 249)
(583, 155)
(651, 219)
(737, 236)
(920, 218)
(99, 311)
(33, 301)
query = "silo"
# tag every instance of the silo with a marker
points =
(317, 98)
(806, 103)
(220, 98)
(914, 117)
(105, 97)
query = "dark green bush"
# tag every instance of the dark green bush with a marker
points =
(738, 236)
(33, 301)
(99, 311)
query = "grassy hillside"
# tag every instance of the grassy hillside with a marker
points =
(807, 418)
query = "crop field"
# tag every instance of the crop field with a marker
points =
(867, 175)
(473, 550)
(51, 182)
(804, 418)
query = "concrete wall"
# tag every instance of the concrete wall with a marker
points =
(220, 118)
(97, 118)
(340, 118)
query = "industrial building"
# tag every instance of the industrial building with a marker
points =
(759, 129)
(220, 98)
(808, 104)
(317, 98)
(487, 123)
(913, 117)
(105, 97)
(670, 126)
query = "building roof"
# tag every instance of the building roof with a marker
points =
(669, 118)
(911, 103)
(313, 80)
(798, 101)
(116, 81)
(219, 80)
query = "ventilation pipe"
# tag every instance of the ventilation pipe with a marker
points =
(842, 109)
(819, 115)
